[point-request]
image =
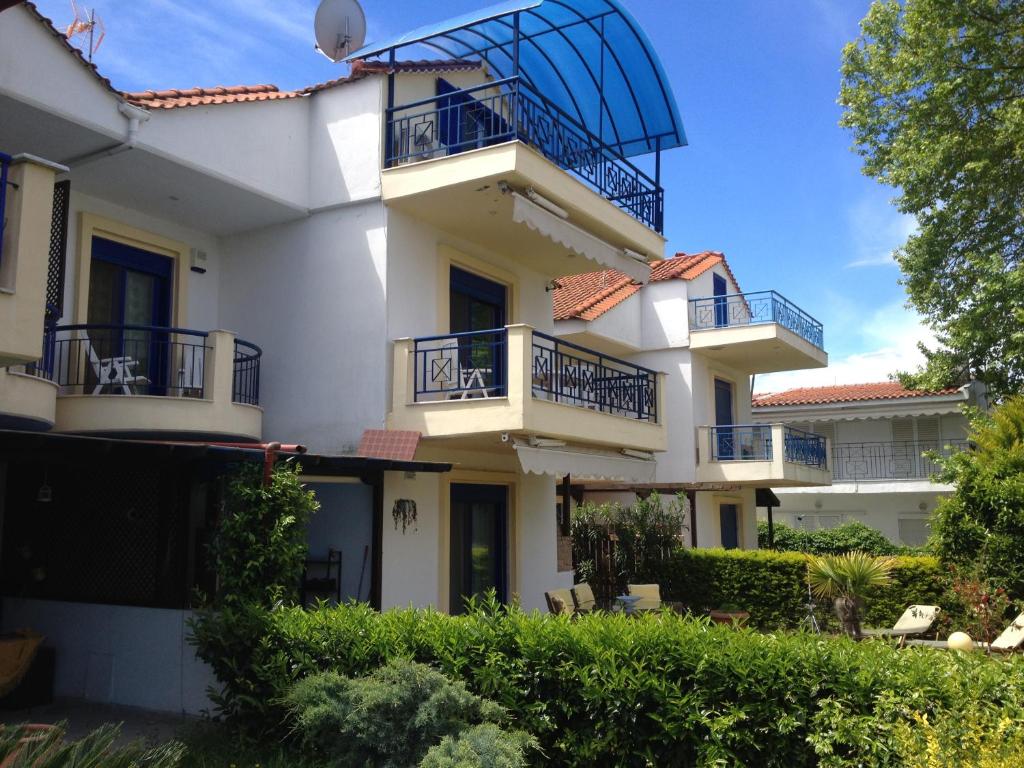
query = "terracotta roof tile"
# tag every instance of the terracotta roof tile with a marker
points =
(845, 393)
(394, 444)
(590, 295)
(198, 97)
(62, 36)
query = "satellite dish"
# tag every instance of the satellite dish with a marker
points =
(340, 28)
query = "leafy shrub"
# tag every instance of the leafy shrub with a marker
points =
(848, 537)
(983, 520)
(772, 586)
(482, 746)
(47, 749)
(658, 690)
(638, 538)
(259, 547)
(985, 738)
(388, 719)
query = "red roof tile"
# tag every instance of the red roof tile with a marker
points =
(198, 97)
(845, 393)
(394, 444)
(590, 295)
(63, 38)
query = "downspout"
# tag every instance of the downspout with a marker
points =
(135, 116)
(269, 456)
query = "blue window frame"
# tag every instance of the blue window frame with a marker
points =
(479, 542)
(724, 418)
(728, 515)
(720, 291)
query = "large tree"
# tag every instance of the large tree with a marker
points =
(933, 91)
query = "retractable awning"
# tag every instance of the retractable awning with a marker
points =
(584, 465)
(589, 57)
(576, 239)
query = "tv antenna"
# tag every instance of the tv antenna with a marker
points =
(340, 28)
(87, 23)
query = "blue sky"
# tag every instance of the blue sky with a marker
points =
(768, 177)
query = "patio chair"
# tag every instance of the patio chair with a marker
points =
(916, 620)
(1009, 641)
(583, 596)
(560, 602)
(113, 371)
(649, 594)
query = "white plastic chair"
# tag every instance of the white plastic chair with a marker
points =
(113, 371)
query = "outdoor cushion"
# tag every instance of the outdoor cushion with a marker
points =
(916, 620)
(584, 597)
(649, 594)
(560, 601)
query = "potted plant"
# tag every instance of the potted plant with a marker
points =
(729, 613)
(846, 579)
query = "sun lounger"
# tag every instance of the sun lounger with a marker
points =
(1009, 641)
(916, 620)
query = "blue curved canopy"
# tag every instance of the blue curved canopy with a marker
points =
(589, 57)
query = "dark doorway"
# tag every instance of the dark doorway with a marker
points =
(479, 542)
(725, 442)
(729, 517)
(721, 290)
(477, 308)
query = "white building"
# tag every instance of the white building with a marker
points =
(691, 320)
(234, 266)
(879, 434)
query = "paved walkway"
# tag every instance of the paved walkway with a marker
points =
(85, 716)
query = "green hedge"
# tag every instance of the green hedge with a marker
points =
(848, 537)
(772, 586)
(607, 689)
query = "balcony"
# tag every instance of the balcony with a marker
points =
(518, 381)
(897, 460)
(145, 381)
(756, 332)
(26, 212)
(751, 455)
(480, 162)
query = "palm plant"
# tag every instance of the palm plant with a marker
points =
(846, 579)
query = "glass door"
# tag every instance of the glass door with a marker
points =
(721, 290)
(475, 305)
(728, 515)
(129, 309)
(724, 433)
(479, 543)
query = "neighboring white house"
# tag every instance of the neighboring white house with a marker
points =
(878, 434)
(691, 320)
(244, 265)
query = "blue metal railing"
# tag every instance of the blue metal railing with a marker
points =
(245, 386)
(5, 165)
(506, 110)
(460, 366)
(754, 308)
(740, 442)
(568, 373)
(805, 448)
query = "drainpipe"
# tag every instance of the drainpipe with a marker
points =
(270, 451)
(269, 455)
(135, 116)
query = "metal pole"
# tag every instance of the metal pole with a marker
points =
(389, 116)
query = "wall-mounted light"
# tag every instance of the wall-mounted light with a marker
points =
(45, 493)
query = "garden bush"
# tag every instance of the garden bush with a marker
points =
(388, 719)
(772, 586)
(661, 690)
(848, 537)
(482, 746)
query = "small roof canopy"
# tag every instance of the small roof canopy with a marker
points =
(589, 57)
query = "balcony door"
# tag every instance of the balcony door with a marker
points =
(129, 293)
(477, 305)
(720, 289)
(479, 543)
(724, 434)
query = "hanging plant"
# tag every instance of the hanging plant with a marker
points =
(404, 512)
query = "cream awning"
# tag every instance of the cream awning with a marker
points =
(574, 238)
(584, 464)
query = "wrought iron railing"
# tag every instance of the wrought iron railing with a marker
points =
(506, 110)
(896, 460)
(245, 386)
(805, 448)
(460, 366)
(5, 166)
(94, 359)
(568, 373)
(754, 308)
(740, 442)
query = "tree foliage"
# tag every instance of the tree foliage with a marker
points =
(933, 91)
(983, 520)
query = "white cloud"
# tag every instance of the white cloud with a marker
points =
(890, 336)
(876, 229)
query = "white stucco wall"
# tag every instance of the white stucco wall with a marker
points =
(411, 568)
(112, 654)
(536, 548)
(312, 294)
